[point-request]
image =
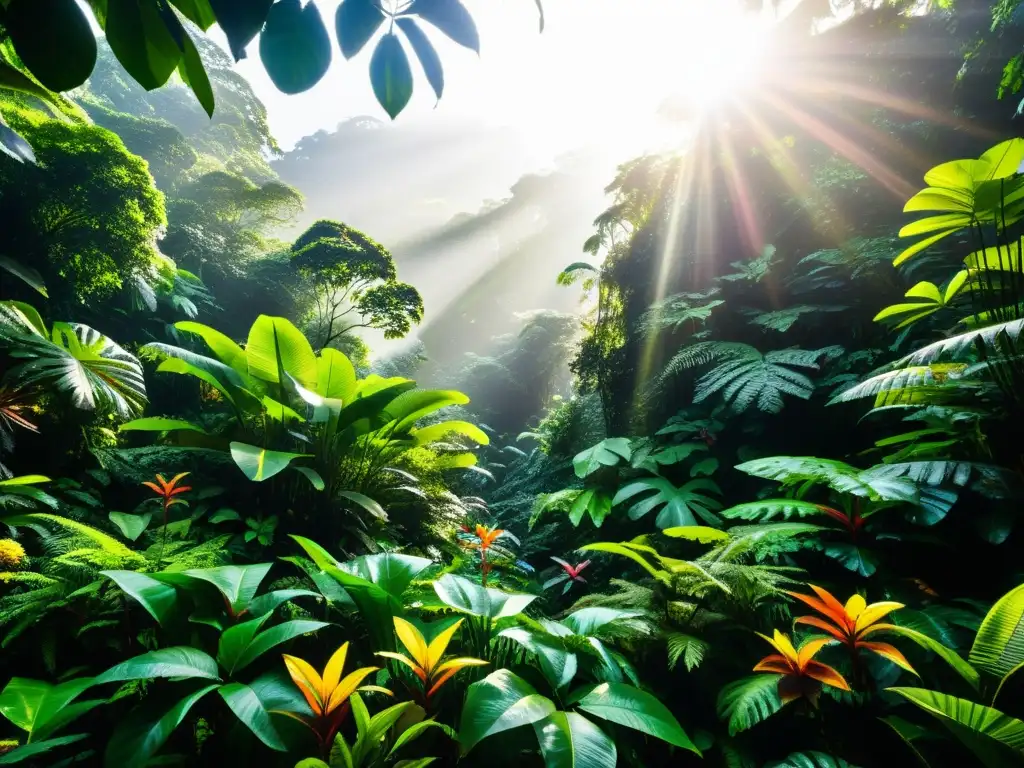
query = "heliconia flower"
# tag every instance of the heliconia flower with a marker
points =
(572, 570)
(487, 536)
(802, 675)
(327, 696)
(851, 623)
(167, 490)
(427, 658)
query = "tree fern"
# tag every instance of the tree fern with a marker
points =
(747, 702)
(745, 376)
(681, 309)
(782, 320)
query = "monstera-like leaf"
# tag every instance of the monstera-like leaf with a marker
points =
(679, 506)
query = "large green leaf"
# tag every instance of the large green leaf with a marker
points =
(606, 453)
(294, 46)
(144, 731)
(451, 17)
(681, 506)
(269, 601)
(374, 582)
(158, 424)
(144, 39)
(226, 350)
(157, 598)
(500, 701)
(336, 377)
(42, 708)
(240, 21)
(53, 40)
(996, 739)
(569, 740)
(999, 645)
(951, 657)
(587, 621)
(469, 597)
(435, 432)
(370, 505)
(246, 704)
(237, 583)
(837, 475)
(355, 22)
(410, 407)
(746, 702)
(180, 661)
(260, 464)
(558, 664)
(273, 637)
(629, 706)
(35, 748)
(391, 75)
(276, 347)
(194, 75)
(772, 508)
(23, 272)
(391, 572)
(425, 52)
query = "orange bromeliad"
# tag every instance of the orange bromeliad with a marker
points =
(327, 696)
(851, 623)
(801, 674)
(427, 659)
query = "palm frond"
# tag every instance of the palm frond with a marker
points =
(80, 361)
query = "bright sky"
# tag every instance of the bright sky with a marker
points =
(596, 75)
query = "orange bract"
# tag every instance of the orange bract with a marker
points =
(487, 535)
(798, 667)
(426, 659)
(168, 489)
(325, 694)
(851, 623)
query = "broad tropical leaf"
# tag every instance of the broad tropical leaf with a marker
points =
(569, 740)
(681, 506)
(993, 737)
(629, 706)
(999, 645)
(500, 701)
(469, 597)
(260, 464)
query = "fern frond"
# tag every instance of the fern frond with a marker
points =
(686, 647)
(747, 702)
(899, 387)
(105, 542)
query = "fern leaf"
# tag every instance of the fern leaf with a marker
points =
(687, 647)
(749, 701)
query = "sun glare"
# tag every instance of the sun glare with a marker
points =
(718, 56)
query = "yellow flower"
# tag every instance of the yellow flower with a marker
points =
(11, 553)
(428, 658)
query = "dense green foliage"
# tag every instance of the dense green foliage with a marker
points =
(756, 504)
